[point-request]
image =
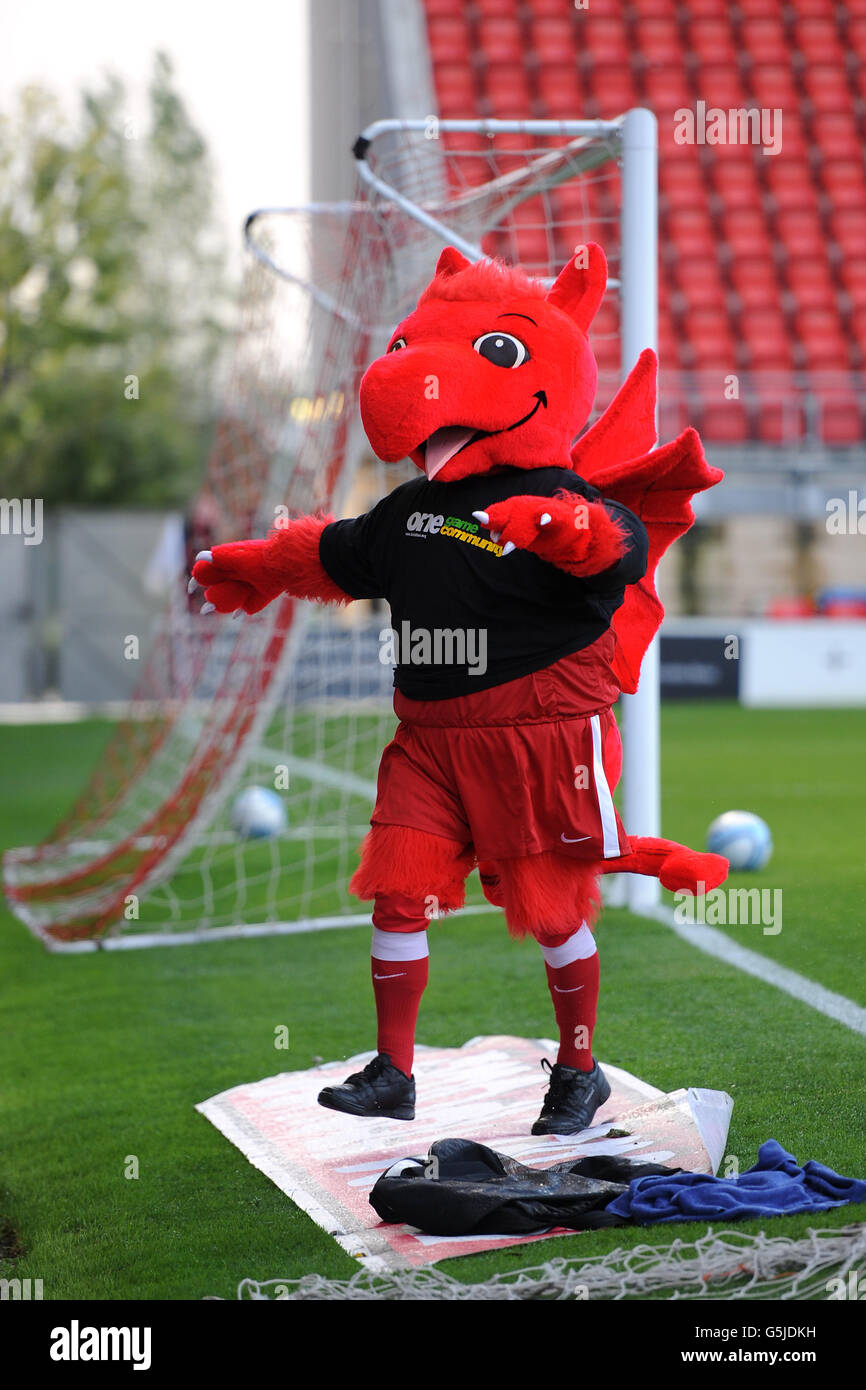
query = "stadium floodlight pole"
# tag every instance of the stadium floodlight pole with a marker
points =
(639, 330)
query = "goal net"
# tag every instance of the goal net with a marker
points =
(296, 699)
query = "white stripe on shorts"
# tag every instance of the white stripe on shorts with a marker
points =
(605, 800)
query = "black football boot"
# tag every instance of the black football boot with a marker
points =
(572, 1099)
(380, 1089)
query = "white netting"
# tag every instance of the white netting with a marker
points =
(723, 1265)
(298, 695)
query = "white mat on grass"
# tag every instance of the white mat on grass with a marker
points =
(490, 1090)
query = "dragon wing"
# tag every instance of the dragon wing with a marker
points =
(658, 487)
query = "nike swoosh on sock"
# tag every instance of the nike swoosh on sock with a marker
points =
(567, 991)
(399, 974)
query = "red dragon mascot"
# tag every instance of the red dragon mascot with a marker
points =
(519, 572)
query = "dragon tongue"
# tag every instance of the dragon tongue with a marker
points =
(442, 445)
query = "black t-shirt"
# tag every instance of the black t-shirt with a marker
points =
(463, 616)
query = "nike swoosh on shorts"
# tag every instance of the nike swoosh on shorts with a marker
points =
(566, 841)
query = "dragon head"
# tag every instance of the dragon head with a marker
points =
(490, 370)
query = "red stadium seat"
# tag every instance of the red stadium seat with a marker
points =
(835, 132)
(722, 421)
(508, 93)
(614, 90)
(844, 181)
(780, 418)
(821, 7)
(772, 84)
(655, 9)
(855, 36)
(764, 39)
(455, 90)
(818, 36)
(840, 409)
(759, 9)
(826, 88)
(812, 285)
(801, 233)
(712, 40)
(659, 41)
(755, 284)
(605, 38)
(721, 82)
(501, 40)
(560, 92)
(667, 89)
(450, 40)
(552, 38)
(705, 9)
(737, 185)
(790, 184)
(700, 286)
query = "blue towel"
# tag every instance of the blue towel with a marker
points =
(776, 1185)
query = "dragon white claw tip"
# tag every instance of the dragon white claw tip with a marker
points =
(545, 519)
(205, 555)
(482, 517)
(208, 608)
(508, 547)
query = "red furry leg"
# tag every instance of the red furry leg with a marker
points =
(547, 894)
(398, 859)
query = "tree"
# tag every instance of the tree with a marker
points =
(115, 299)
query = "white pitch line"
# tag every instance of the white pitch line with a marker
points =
(715, 943)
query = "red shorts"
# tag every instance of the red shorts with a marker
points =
(499, 770)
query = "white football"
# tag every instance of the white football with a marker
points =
(258, 814)
(743, 838)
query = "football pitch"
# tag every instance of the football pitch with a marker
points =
(113, 1187)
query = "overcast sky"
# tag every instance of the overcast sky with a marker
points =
(240, 69)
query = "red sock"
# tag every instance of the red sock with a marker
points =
(399, 969)
(398, 986)
(574, 990)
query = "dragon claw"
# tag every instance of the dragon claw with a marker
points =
(205, 555)
(208, 608)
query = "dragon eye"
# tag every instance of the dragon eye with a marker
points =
(501, 349)
(397, 344)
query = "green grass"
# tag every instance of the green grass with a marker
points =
(104, 1055)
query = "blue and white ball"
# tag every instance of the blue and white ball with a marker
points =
(258, 814)
(741, 837)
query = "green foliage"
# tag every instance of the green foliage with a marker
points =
(113, 302)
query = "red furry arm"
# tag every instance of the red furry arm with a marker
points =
(582, 538)
(250, 574)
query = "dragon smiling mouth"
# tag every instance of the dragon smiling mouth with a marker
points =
(444, 443)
